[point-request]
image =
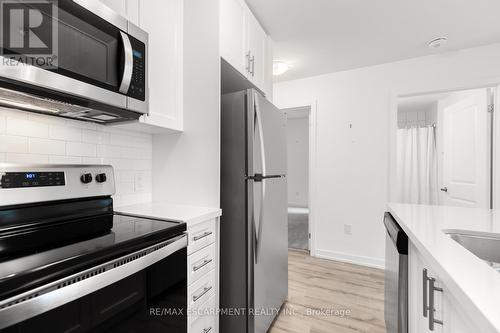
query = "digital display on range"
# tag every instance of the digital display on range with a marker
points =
(31, 179)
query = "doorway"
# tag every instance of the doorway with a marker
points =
(298, 177)
(444, 148)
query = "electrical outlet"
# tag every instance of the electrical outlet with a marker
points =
(347, 229)
(139, 182)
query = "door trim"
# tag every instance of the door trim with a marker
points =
(312, 199)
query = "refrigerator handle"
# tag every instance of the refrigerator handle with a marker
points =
(258, 229)
(258, 125)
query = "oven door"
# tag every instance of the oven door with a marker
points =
(96, 57)
(145, 291)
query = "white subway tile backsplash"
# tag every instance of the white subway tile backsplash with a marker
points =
(2, 124)
(47, 146)
(92, 160)
(91, 136)
(21, 126)
(47, 139)
(26, 158)
(55, 159)
(108, 151)
(13, 113)
(125, 188)
(80, 149)
(125, 176)
(13, 144)
(47, 119)
(66, 133)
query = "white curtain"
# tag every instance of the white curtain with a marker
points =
(417, 165)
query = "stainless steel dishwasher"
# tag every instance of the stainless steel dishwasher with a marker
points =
(396, 277)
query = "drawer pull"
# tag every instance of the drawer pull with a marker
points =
(205, 234)
(205, 290)
(203, 264)
(206, 330)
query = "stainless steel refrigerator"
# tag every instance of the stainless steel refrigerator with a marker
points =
(254, 230)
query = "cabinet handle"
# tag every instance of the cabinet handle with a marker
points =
(252, 62)
(206, 330)
(204, 263)
(205, 290)
(425, 278)
(432, 289)
(248, 62)
(429, 309)
(205, 234)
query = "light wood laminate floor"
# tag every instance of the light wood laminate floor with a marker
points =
(318, 289)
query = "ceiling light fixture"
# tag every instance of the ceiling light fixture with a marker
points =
(280, 67)
(437, 43)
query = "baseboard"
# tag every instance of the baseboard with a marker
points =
(350, 258)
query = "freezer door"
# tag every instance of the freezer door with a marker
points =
(267, 124)
(270, 260)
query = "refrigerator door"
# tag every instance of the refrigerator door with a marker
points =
(267, 211)
(269, 136)
(270, 271)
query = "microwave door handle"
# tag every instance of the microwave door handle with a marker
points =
(129, 63)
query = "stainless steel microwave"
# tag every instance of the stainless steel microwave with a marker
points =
(101, 72)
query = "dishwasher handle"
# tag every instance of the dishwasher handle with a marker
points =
(396, 233)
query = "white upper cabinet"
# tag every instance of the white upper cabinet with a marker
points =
(163, 20)
(245, 45)
(233, 34)
(257, 44)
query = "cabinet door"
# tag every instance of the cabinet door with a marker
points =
(233, 34)
(417, 323)
(257, 41)
(126, 8)
(455, 320)
(268, 72)
(119, 6)
(163, 20)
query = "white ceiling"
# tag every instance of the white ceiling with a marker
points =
(323, 36)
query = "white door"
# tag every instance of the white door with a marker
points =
(257, 40)
(466, 169)
(233, 34)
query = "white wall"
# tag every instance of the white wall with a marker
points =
(186, 166)
(32, 138)
(353, 165)
(298, 161)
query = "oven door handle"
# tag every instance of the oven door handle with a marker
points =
(47, 297)
(128, 65)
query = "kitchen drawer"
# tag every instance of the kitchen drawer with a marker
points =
(200, 263)
(204, 320)
(201, 235)
(200, 291)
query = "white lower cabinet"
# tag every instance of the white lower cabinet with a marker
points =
(205, 319)
(203, 277)
(427, 293)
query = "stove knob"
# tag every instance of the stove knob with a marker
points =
(100, 178)
(86, 178)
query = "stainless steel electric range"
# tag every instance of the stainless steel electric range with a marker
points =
(68, 263)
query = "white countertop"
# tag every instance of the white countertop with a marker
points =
(191, 215)
(471, 281)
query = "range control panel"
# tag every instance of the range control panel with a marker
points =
(23, 184)
(31, 179)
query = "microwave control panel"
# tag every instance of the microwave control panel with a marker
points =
(137, 88)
